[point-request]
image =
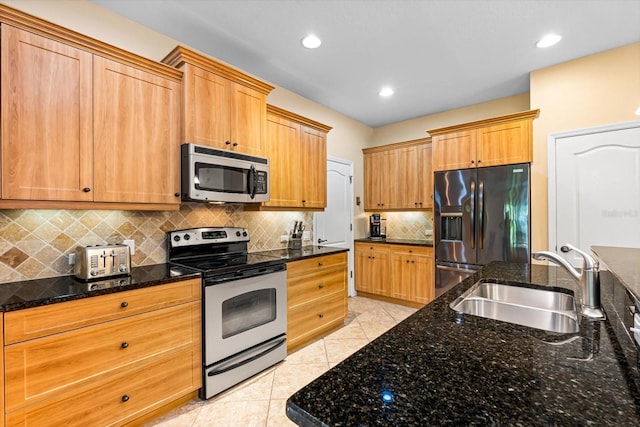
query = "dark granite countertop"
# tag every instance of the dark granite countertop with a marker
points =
(397, 241)
(624, 263)
(305, 252)
(33, 293)
(439, 367)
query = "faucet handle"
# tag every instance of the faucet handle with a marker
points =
(588, 262)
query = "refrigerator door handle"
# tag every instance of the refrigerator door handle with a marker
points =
(472, 225)
(481, 214)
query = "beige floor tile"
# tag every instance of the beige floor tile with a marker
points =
(312, 353)
(338, 350)
(350, 331)
(181, 416)
(290, 377)
(374, 329)
(398, 312)
(255, 388)
(377, 315)
(230, 414)
(278, 414)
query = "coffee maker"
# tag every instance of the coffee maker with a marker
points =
(374, 227)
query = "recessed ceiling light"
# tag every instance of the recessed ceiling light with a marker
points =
(548, 40)
(311, 41)
(386, 92)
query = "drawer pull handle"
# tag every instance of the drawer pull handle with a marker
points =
(124, 304)
(124, 345)
(320, 264)
(125, 398)
(321, 315)
(321, 286)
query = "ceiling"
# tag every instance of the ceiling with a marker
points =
(436, 54)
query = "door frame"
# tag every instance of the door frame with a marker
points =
(351, 289)
(552, 140)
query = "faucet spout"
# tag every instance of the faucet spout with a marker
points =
(588, 278)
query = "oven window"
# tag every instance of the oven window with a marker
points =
(219, 178)
(247, 311)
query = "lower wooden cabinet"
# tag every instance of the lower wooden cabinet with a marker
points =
(103, 372)
(399, 273)
(316, 297)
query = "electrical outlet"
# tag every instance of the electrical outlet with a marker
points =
(306, 235)
(72, 259)
(132, 246)
(284, 238)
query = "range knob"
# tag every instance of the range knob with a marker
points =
(187, 237)
(244, 234)
(238, 233)
(176, 238)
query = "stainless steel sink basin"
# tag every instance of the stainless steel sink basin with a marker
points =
(536, 308)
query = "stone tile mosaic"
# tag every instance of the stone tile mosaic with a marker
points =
(408, 225)
(36, 243)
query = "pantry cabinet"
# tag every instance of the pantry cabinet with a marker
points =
(222, 107)
(84, 125)
(497, 141)
(316, 297)
(402, 274)
(95, 360)
(297, 151)
(398, 176)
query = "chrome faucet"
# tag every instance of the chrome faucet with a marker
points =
(588, 278)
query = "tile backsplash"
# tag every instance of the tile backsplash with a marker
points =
(36, 243)
(408, 225)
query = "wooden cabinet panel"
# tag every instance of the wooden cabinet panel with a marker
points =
(283, 151)
(318, 285)
(46, 366)
(422, 287)
(120, 398)
(456, 150)
(248, 119)
(207, 111)
(400, 275)
(316, 264)
(372, 268)
(504, 144)
(378, 180)
(314, 176)
(36, 322)
(136, 136)
(308, 321)
(425, 172)
(46, 118)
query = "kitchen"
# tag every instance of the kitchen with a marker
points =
(32, 256)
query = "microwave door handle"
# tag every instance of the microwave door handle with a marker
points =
(252, 181)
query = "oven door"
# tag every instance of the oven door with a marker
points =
(240, 314)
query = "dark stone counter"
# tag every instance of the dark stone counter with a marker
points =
(304, 252)
(33, 293)
(397, 241)
(624, 264)
(439, 367)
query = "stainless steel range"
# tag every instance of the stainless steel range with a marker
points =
(244, 304)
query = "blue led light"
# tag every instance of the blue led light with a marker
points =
(386, 396)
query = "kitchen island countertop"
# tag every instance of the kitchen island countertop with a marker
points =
(440, 367)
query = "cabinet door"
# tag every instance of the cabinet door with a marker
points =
(283, 151)
(46, 119)
(314, 170)
(376, 180)
(363, 269)
(456, 150)
(504, 144)
(400, 275)
(136, 135)
(248, 120)
(207, 108)
(422, 280)
(425, 172)
(407, 180)
(380, 272)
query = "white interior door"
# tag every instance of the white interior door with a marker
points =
(595, 188)
(334, 226)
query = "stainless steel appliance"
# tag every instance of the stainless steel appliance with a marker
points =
(101, 261)
(480, 215)
(374, 227)
(244, 307)
(210, 175)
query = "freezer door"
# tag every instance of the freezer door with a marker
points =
(503, 214)
(455, 233)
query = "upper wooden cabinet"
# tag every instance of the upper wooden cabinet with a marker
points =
(497, 141)
(85, 125)
(398, 176)
(297, 152)
(222, 107)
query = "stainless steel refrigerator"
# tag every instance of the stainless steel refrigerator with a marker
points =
(480, 215)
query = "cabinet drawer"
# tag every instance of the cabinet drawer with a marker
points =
(307, 319)
(314, 264)
(40, 321)
(301, 289)
(120, 398)
(412, 250)
(43, 367)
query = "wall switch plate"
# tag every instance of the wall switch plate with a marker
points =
(132, 246)
(284, 238)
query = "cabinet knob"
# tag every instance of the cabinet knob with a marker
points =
(321, 315)
(235, 144)
(321, 286)
(124, 304)
(410, 251)
(86, 189)
(227, 142)
(479, 160)
(320, 264)
(304, 201)
(408, 261)
(124, 345)
(373, 257)
(176, 194)
(472, 162)
(125, 398)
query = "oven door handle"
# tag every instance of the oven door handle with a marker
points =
(224, 369)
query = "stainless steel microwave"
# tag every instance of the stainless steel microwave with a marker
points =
(211, 175)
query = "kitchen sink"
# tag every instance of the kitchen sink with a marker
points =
(544, 309)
